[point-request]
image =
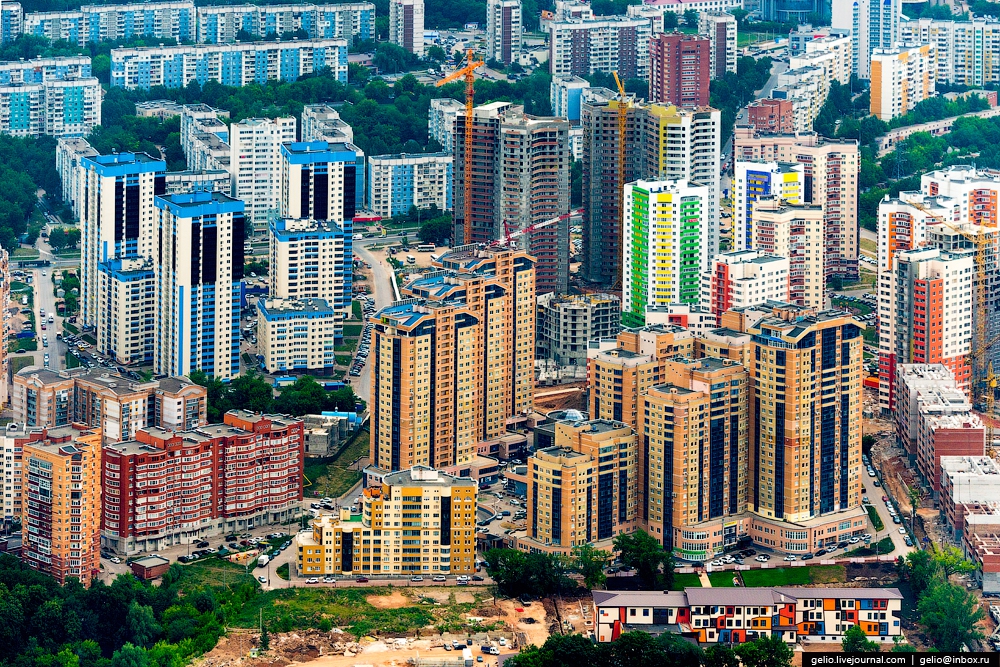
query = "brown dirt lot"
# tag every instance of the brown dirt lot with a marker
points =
(394, 600)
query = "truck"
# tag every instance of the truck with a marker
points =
(263, 560)
(489, 649)
(467, 657)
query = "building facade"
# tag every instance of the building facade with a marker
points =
(255, 165)
(298, 335)
(198, 284)
(397, 182)
(166, 488)
(743, 279)
(771, 116)
(753, 180)
(720, 29)
(141, 68)
(406, 25)
(321, 181)
(313, 259)
(680, 69)
(665, 249)
(373, 543)
(62, 505)
(503, 30)
(901, 78)
(581, 47)
(172, 19)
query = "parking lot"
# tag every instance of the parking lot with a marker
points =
(364, 343)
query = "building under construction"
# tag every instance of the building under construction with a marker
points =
(662, 142)
(520, 177)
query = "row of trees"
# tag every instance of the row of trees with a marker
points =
(251, 392)
(640, 648)
(517, 573)
(732, 92)
(947, 611)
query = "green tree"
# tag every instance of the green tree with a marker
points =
(436, 231)
(251, 392)
(951, 561)
(645, 553)
(130, 656)
(141, 626)
(669, 21)
(922, 571)
(590, 563)
(949, 614)
(899, 645)
(265, 637)
(437, 54)
(720, 655)
(766, 651)
(856, 641)
(558, 651)
(691, 18)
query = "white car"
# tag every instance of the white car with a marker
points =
(790, 558)
(761, 559)
(440, 577)
(902, 531)
(312, 580)
(502, 641)
(854, 540)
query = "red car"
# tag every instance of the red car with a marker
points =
(362, 580)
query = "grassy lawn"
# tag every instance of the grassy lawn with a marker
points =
(870, 335)
(334, 477)
(876, 519)
(870, 246)
(352, 330)
(89, 339)
(343, 359)
(282, 571)
(684, 580)
(215, 572)
(722, 579)
(70, 327)
(885, 546)
(24, 253)
(72, 361)
(356, 310)
(17, 363)
(26, 344)
(795, 576)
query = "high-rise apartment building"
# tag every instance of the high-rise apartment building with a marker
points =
(694, 456)
(743, 279)
(582, 490)
(117, 217)
(503, 30)
(665, 249)
(199, 270)
(901, 78)
(241, 474)
(806, 88)
(581, 47)
(720, 29)
(406, 25)
(679, 69)
(805, 414)
(752, 180)
(118, 406)
(926, 315)
(61, 490)
(794, 231)
(69, 155)
(441, 117)
(397, 182)
(313, 259)
(255, 165)
(520, 178)
(449, 533)
(298, 335)
(771, 116)
(565, 96)
(11, 21)
(874, 24)
(12, 442)
(966, 51)
(454, 360)
(69, 107)
(320, 180)
(170, 19)
(141, 68)
(831, 180)
(661, 143)
(126, 309)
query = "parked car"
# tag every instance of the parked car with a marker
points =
(362, 580)
(439, 578)
(790, 558)
(417, 578)
(312, 580)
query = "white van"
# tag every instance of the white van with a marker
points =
(263, 560)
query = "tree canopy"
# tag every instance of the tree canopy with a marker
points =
(653, 564)
(252, 392)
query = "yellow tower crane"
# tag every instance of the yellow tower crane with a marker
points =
(470, 99)
(622, 125)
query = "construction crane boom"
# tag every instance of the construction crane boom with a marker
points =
(622, 125)
(511, 235)
(470, 98)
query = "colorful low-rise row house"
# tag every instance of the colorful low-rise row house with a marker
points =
(737, 615)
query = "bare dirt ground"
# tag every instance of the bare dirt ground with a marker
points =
(394, 600)
(567, 396)
(532, 620)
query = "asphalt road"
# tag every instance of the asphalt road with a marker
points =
(45, 300)
(381, 286)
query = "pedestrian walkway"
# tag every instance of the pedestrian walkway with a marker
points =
(705, 581)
